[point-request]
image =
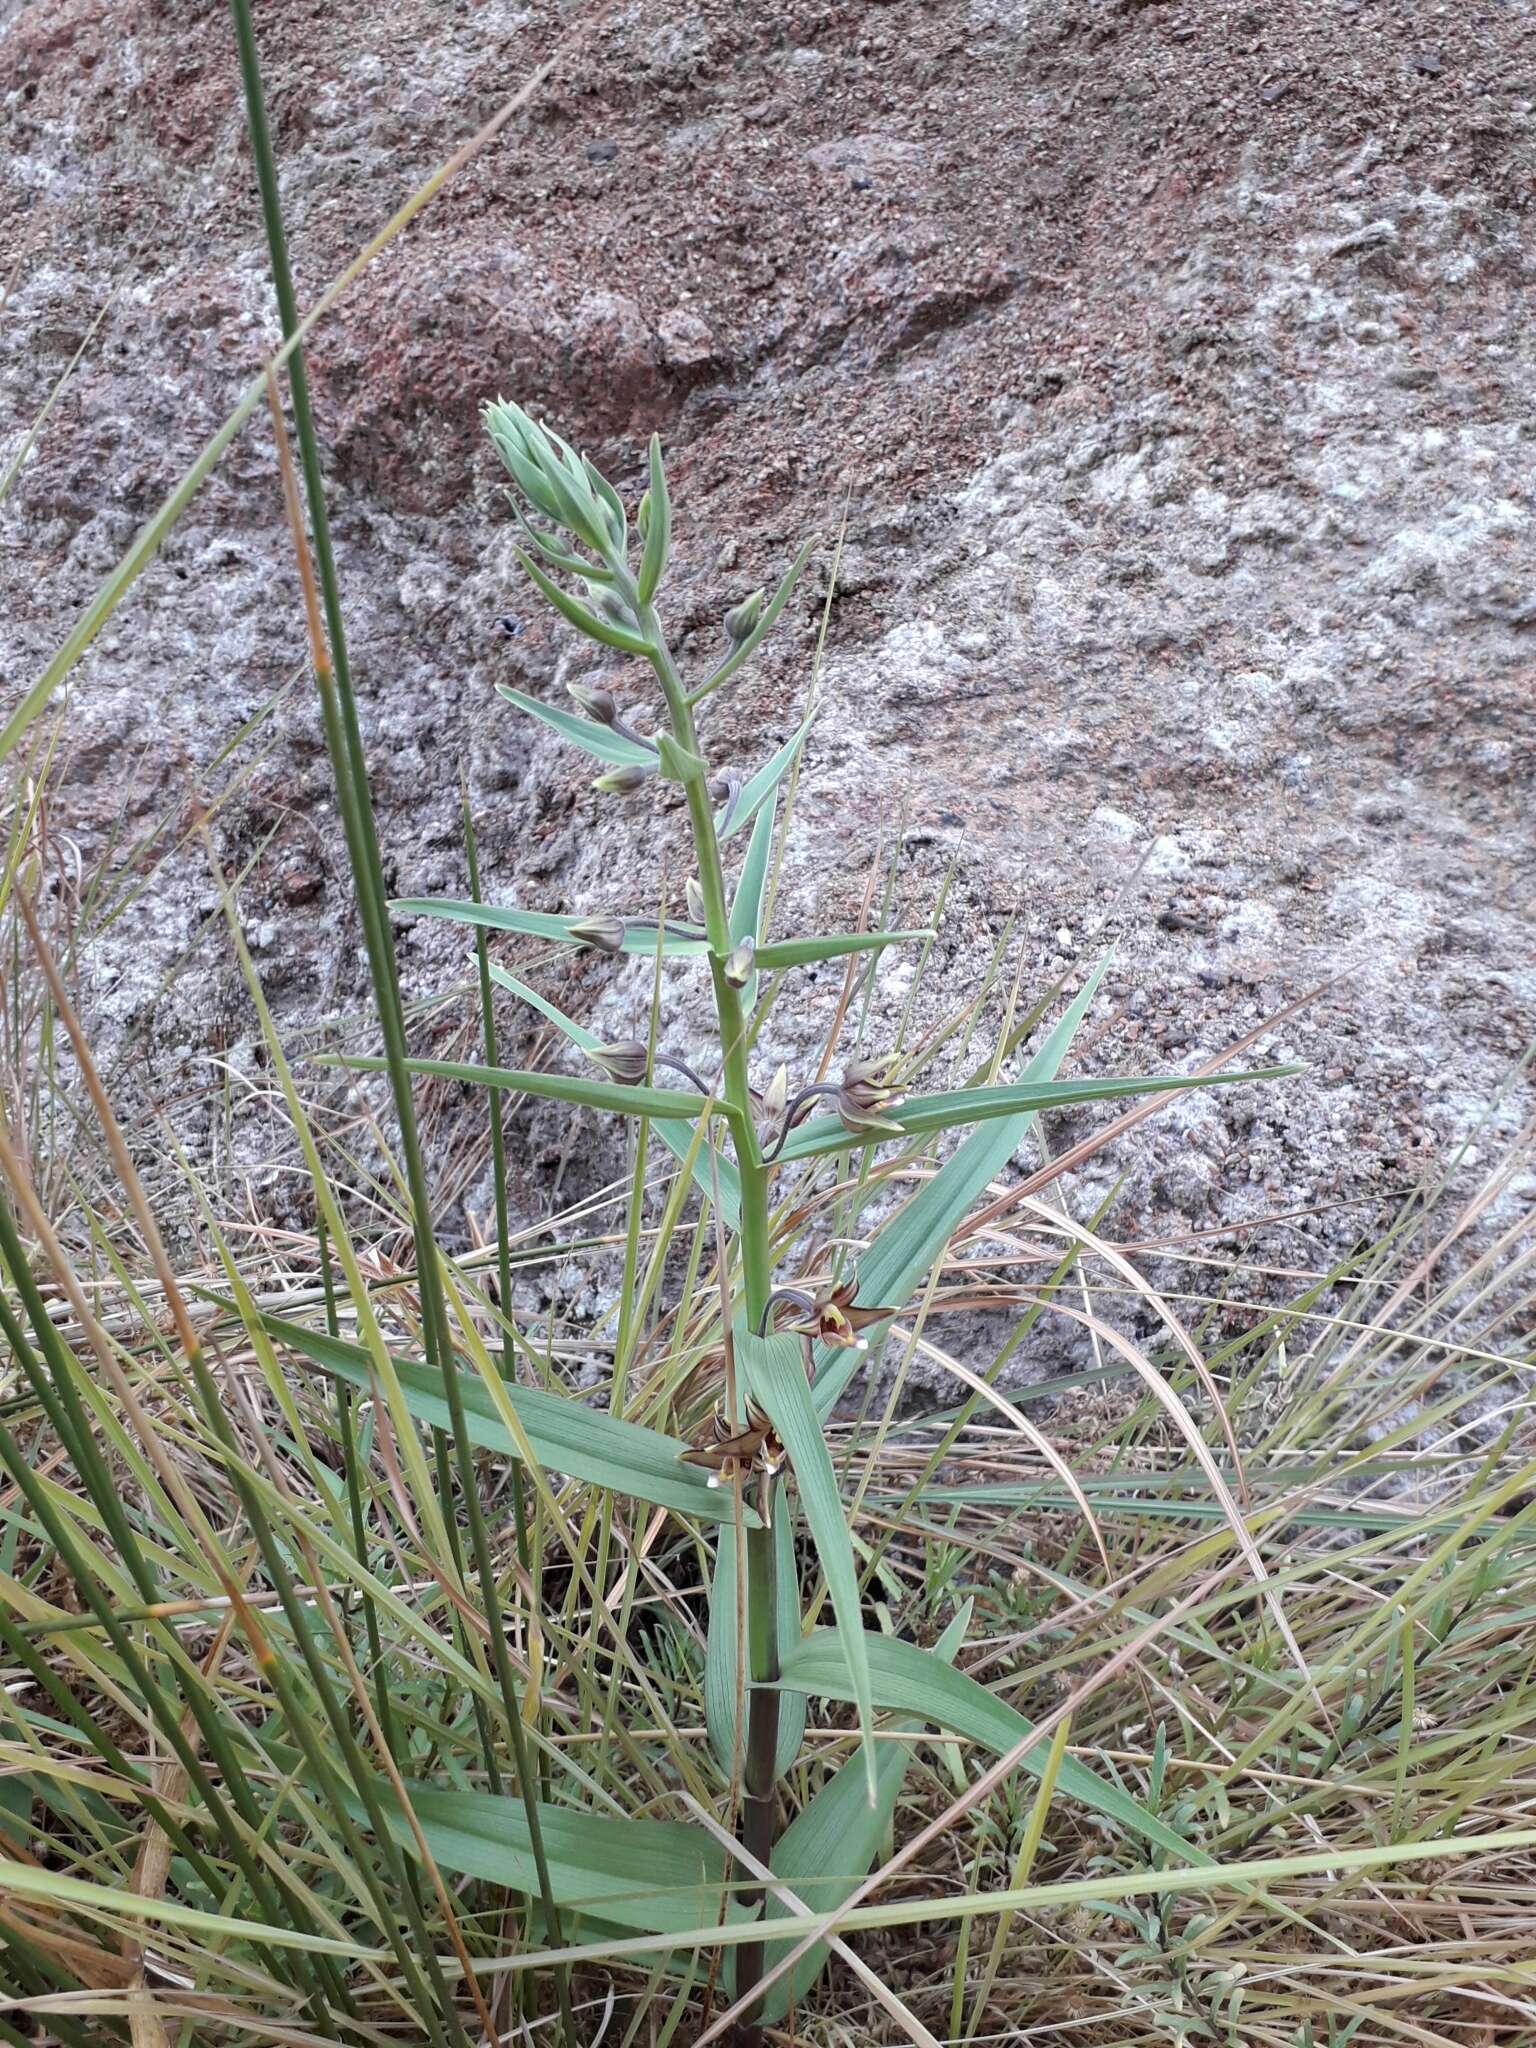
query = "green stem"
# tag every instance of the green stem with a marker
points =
(760, 1805)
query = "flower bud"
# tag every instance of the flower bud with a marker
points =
(613, 607)
(741, 619)
(740, 962)
(604, 933)
(600, 705)
(693, 889)
(623, 781)
(776, 1096)
(626, 1062)
(865, 1093)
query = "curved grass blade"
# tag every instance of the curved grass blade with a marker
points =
(565, 1436)
(915, 1681)
(775, 1376)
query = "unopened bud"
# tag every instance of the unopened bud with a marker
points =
(693, 889)
(776, 1095)
(741, 620)
(626, 1062)
(604, 933)
(599, 705)
(623, 781)
(740, 962)
(613, 607)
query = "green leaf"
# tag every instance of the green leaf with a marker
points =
(611, 1095)
(657, 1876)
(775, 1376)
(658, 532)
(893, 1267)
(613, 506)
(585, 620)
(564, 1435)
(721, 1672)
(677, 763)
(754, 794)
(914, 1681)
(762, 629)
(640, 937)
(747, 903)
(586, 733)
(676, 1136)
(920, 1113)
(825, 1853)
(801, 952)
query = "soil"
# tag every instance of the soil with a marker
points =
(1166, 363)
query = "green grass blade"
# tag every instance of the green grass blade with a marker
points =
(826, 1851)
(775, 1375)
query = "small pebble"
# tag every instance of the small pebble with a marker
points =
(602, 152)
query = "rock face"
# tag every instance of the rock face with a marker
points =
(1167, 363)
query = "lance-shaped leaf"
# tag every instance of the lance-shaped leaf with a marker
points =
(612, 1095)
(593, 623)
(922, 1113)
(722, 1673)
(747, 903)
(775, 1376)
(893, 1267)
(825, 1853)
(656, 1876)
(678, 764)
(564, 1435)
(675, 1135)
(752, 795)
(914, 1681)
(640, 934)
(600, 740)
(748, 647)
(802, 952)
(658, 529)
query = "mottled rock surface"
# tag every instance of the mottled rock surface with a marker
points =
(1171, 363)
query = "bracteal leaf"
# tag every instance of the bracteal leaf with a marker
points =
(616, 1096)
(658, 531)
(903, 1251)
(801, 952)
(599, 740)
(756, 792)
(676, 1136)
(640, 934)
(922, 1113)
